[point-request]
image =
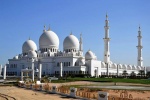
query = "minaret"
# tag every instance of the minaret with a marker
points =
(106, 41)
(0, 70)
(49, 28)
(139, 47)
(4, 72)
(80, 48)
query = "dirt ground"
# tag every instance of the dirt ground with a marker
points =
(26, 94)
(136, 94)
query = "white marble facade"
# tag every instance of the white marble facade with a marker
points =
(71, 59)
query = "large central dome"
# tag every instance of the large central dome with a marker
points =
(48, 39)
(71, 42)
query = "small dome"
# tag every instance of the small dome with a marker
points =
(32, 54)
(103, 64)
(16, 57)
(120, 66)
(124, 66)
(90, 55)
(138, 67)
(114, 65)
(134, 67)
(110, 62)
(129, 67)
(71, 42)
(29, 45)
(48, 39)
(142, 67)
(81, 62)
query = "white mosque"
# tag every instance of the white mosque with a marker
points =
(51, 61)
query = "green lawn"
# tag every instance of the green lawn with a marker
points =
(141, 81)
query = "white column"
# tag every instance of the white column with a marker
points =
(107, 65)
(61, 69)
(40, 71)
(0, 70)
(21, 75)
(99, 71)
(32, 69)
(117, 70)
(106, 41)
(139, 47)
(145, 70)
(4, 73)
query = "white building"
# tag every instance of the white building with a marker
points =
(71, 58)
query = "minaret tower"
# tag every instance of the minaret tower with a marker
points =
(80, 46)
(139, 47)
(106, 41)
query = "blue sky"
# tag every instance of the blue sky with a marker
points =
(21, 19)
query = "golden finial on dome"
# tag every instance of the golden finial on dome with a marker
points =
(49, 28)
(44, 26)
(71, 33)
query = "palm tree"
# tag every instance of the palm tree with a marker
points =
(80, 71)
(141, 72)
(148, 74)
(133, 74)
(125, 73)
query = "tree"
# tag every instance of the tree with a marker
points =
(133, 74)
(125, 73)
(141, 73)
(80, 71)
(148, 74)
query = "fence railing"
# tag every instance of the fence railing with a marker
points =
(79, 93)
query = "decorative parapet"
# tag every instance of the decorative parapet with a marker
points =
(41, 87)
(54, 89)
(73, 92)
(103, 95)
